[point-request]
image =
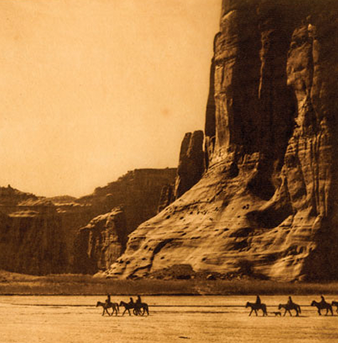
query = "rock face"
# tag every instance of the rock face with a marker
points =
(268, 199)
(100, 243)
(167, 197)
(31, 239)
(191, 162)
(37, 234)
(138, 192)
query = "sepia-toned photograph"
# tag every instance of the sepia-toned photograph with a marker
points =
(168, 171)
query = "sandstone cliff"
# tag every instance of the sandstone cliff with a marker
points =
(190, 169)
(100, 243)
(191, 162)
(37, 234)
(31, 239)
(268, 197)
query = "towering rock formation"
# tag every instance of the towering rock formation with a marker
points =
(268, 198)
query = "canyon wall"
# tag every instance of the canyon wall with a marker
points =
(100, 243)
(267, 200)
(40, 235)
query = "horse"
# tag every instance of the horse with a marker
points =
(335, 303)
(323, 305)
(255, 307)
(290, 306)
(105, 306)
(135, 307)
(141, 306)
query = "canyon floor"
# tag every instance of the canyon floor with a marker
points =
(75, 319)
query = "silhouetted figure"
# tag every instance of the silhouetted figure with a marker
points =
(258, 300)
(108, 299)
(131, 302)
(323, 300)
(138, 300)
(290, 302)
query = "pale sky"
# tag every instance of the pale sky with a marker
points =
(90, 89)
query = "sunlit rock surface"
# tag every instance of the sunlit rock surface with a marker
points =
(268, 198)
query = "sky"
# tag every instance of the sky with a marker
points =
(91, 89)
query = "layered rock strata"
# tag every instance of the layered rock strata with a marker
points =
(32, 240)
(37, 234)
(100, 243)
(268, 198)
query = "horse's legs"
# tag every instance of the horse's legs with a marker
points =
(284, 313)
(250, 312)
(256, 312)
(319, 312)
(290, 313)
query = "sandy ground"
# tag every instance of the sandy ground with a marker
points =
(26, 319)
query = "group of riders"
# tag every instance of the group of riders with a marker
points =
(290, 302)
(136, 306)
(290, 305)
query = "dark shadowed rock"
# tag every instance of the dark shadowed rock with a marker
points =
(191, 162)
(100, 243)
(167, 197)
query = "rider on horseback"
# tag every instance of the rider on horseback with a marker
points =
(108, 299)
(258, 300)
(138, 305)
(290, 302)
(322, 302)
